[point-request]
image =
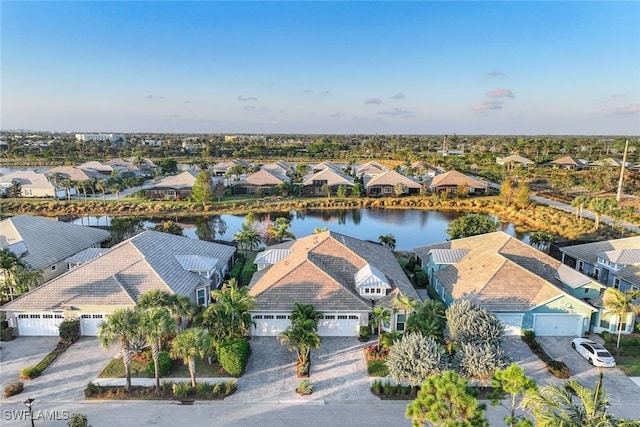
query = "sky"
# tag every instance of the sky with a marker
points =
(501, 67)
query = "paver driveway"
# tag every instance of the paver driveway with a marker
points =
(21, 352)
(338, 372)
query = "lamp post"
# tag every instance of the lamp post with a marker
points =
(28, 403)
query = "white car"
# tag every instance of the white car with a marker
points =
(595, 353)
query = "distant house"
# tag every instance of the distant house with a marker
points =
(525, 288)
(313, 185)
(388, 183)
(370, 169)
(568, 163)
(176, 187)
(609, 162)
(116, 279)
(262, 182)
(453, 181)
(220, 169)
(424, 169)
(45, 244)
(279, 167)
(342, 277)
(327, 165)
(514, 160)
(32, 184)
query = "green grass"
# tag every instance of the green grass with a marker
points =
(628, 355)
(115, 369)
(629, 365)
(377, 368)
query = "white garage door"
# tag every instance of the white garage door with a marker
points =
(270, 325)
(339, 325)
(557, 325)
(39, 324)
(512, 323)
(90, 323)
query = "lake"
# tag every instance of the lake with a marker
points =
(411, 228)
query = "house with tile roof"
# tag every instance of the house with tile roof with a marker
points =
(387, 184)
(313, 185)
(568, 163)
(45, 244)
(453, 181)
(369, 169)
(116, 279)
(527, 289)
(514, 160)
(175, 187)
(220, 169)
(32, 184)
(342, 277)
(263, 181)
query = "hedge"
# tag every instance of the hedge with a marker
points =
(69, 331)
(164, 365)
(232, 356)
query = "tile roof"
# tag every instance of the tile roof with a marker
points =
(499, 272)
(622, 256)
(569, 160)
(515, 158)
(370, 168)
(183, 180)
(73, 173)
(265, 177)
(28, 179)
(589, 251)
(455, 178)
(321, 270)
(48, 241)
(142, 263)
(331, 176)
(392, 177)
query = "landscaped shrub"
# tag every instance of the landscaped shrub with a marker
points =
(69, 331)
(558, 369)
(13, 389)
(164, 365)
(6, 334)
(421, 280)
(78, 420)
(414, 358)
(183, 389)
(305, 387)
(247, 271)
(237, 268)
(389, 338)
(29, 373)
(232, 356)
(364, 333)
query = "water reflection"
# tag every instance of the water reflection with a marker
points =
(411, 228)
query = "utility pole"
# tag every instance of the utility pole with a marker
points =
(624, 161)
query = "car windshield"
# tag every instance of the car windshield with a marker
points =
(604, 354)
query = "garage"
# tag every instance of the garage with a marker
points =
(90, 323)
(512, 323)
(270, 325)
(39, 324)
(339, 325)
(550, 325)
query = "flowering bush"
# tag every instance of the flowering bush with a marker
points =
(373, 352)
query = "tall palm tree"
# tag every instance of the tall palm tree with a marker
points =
(156, 324)
(56, 179)
(116, 189)
(579, 203)
(189, 344)
(122, 326)
(301, 338)
(304, 312)
(379, 317)
(388, 241)
(247, 237)
(620, 305)
(236, 303)
(280, 230)
(101, 186)
(15, 275)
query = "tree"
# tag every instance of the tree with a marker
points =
(101, 186)
(512, 381)
(303, 312)
(15, 190)
(523, 195)
(357, 190)
(541, 239)
(301, 338)
(168, 166)
(202, 191)
(319, 230)
(479, 361)
(572, 404)
(620, 305)
(600, 207)
(379, 316)
(428, 319)
(156, 324)
(470, 323)
(580, 203)
(122, 326)
(443, 401)
(399, 188)
(326, 189)
(341, 191)
(280, 231)
(116, 189)
(189, 344)
(169, 227)
(67, 184)
(405, 303)
(414, 357)
(16, 277)
(506, 191)
(122, 228)
(233, 305)
(78, 420)
(471, 225)
(247, 237)
(219, 190)
(388, 241)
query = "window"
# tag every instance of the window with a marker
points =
(367, 290)
(586, 290)
(201, 296)
(268, 316)
(58, 316)
(388, 190)
(97, 316)
(580, 266)
(23, 316)
(281, 316)
(47, 316)
(352, 317)
(85, 316)
(400, 319)
(330, 317)
(616, 283)
(378, 291)
(53, 268)
(342, 317)
(596, 273)
(34, 316)
(258, 316)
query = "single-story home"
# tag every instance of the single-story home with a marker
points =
(453, 181)
(313, 184)
(568, 163)
(342, 277)
(514, 160)
(370, 169)
(32, 184)
(45, 244)
(388, 184)
(527, 289)
(176, 187)
(116, 279)
(263, 181)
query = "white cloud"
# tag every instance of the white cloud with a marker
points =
(500, 93)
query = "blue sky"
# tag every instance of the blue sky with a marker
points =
(322, 67)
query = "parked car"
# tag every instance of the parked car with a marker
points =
(595, 353)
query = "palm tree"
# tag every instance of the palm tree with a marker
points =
(280, 230)
(15, 275)
(304, 312)
(56, 179)
(599, 207)
(247, 237)
(554, 405)
(116, 189)
(156, 324)
(67, 184)
(234, 303)
(122, 326)
(379, 317)
(620, 305)
(101, 186)
(406, 304)
(319, 230)
(388, 241)
(579, 203)
(301, 338)
(189, 344)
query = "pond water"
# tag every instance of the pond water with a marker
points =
(411, 228)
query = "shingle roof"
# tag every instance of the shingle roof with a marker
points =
(622, 256)
(455, 178)
(73, 173)
(321, 270)
(392, 177)
(499, 272)
(589, 251)
(145, 262)
(48, 241)
(370, 168)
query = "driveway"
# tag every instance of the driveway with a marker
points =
(338, 372)
(521, 354)
(67, 377)
(22, 352)
(622, 391)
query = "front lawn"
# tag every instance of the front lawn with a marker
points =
(629, 365)
(115, 369)
(628, 355)
(377, 368)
